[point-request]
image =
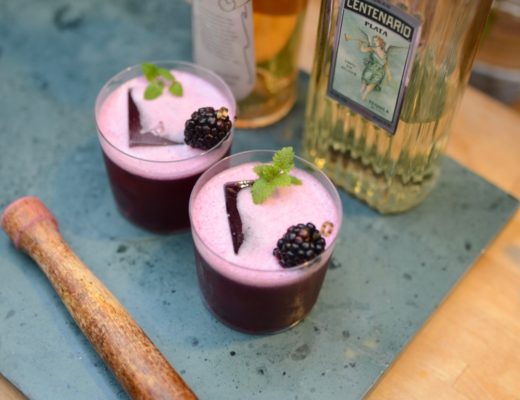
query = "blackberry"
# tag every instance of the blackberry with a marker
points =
(207, 127)
(299, 244)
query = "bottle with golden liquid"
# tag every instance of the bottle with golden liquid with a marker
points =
(253, 45)
(386, 81)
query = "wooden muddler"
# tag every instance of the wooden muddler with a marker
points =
(138, 365)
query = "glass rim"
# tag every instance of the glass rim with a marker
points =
(306, 265)
(119, 76)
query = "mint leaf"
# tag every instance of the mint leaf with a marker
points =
(176, 89)
(281, 180)
(153, 90)
(159, 78)
(295, 181)
(261, 191)
(150, 71)
(284, 159)
(266, 171)
(166, 74)
(271, 176)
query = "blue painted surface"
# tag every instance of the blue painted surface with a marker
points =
(387, 276)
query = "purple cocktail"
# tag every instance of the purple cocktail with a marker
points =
(249, 289)
(150, 167)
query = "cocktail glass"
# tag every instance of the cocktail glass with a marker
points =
(150, 186)
(249, 297)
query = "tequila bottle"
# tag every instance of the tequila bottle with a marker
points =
(386, 81)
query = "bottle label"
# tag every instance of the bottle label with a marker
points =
(372, 58)
(223, 41)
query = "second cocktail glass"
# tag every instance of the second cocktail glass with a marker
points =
(249, 290)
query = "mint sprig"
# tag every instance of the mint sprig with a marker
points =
(158, 79)
(271, 176)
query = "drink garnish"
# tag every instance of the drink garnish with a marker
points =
(327, 228)
(158, 79)
(137, 135)
(207, 127)
(299, 244)
(271, 176)
(231, 190)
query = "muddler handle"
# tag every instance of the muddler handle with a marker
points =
(138, 365)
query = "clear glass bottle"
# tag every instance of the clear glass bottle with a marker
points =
(253, 45)
(391, 166)
(277, 29)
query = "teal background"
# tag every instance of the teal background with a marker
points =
(387, 276)
(349, 84)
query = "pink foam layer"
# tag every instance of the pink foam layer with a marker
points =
(263, 225)
(159, 162)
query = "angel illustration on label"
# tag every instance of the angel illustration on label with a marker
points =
(379, 64)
